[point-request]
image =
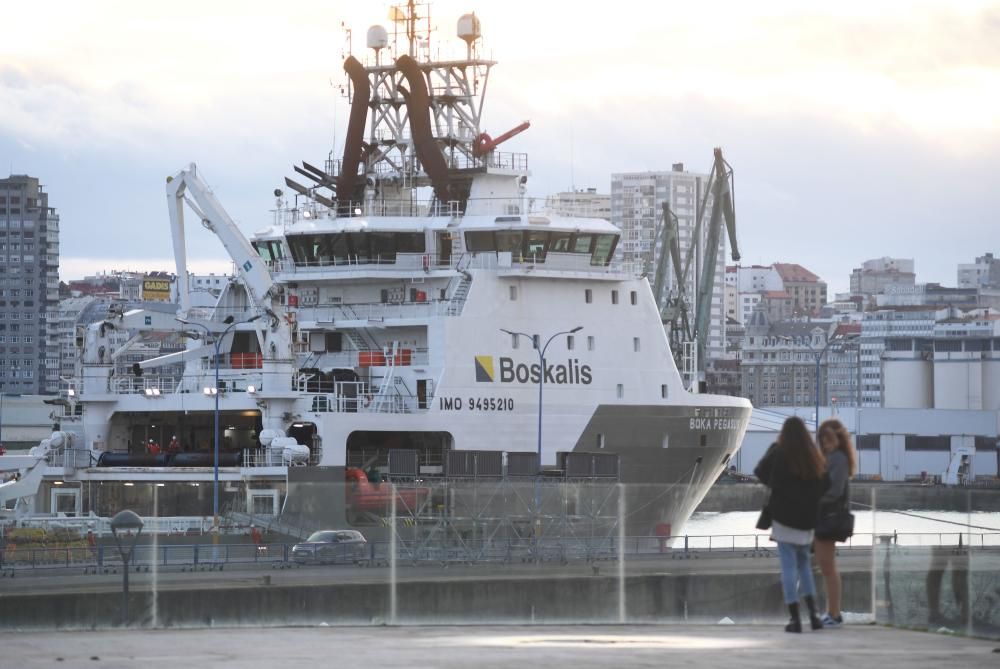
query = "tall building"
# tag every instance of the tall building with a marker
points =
(29, 287)
(637, 208)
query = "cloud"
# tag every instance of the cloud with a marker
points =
(853, 127)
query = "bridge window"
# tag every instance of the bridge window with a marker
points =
(354, 247)
(534, 245)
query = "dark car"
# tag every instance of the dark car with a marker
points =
(331, 547)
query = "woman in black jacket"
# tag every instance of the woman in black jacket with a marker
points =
(794, 470)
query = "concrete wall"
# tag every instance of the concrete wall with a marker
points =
(744, 597)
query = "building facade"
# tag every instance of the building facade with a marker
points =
(778, 362)
(807, 290)
(637, 200)
(879, 275)
(984, 273)
(29, 288)
(880, 325)
(586, 203)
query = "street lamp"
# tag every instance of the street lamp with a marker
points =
(541, 372)
(819, 356)
(215, 391)
(126, 521)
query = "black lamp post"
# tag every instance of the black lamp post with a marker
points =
(215, 391)
(126, 522)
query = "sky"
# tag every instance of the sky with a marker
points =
(855, 130)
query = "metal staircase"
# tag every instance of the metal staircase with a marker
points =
(357, 339)
(457, 301)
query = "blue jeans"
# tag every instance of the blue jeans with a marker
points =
(796, 571)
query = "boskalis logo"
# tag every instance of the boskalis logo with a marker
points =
(571, 372)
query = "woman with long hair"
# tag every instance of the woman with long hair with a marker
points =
(794, 470)
(841, 464)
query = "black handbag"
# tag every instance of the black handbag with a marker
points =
(835, 520)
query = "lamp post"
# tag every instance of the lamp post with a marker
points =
(536, 339)
(215, 391)
(819, 356)
(126, 521)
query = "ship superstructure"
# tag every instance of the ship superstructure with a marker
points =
(403, 314)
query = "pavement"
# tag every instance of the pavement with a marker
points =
(579, 647)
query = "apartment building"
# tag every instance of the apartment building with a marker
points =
(29, 287)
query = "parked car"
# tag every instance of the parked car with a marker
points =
(331, 547)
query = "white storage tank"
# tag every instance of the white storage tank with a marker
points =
(908, 382)
(991, 382)
(958, 381)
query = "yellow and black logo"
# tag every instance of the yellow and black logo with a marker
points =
(484, 368)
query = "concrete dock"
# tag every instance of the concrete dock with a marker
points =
(703, 646)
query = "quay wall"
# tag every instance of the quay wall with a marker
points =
(651, 598)
(889, 496)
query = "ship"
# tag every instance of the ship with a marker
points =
(405, 318)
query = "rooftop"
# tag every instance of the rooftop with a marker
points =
(795, 273)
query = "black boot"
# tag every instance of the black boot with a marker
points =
(814, 620)
(794, 624)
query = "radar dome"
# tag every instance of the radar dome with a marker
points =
(468, 28)
(378, 38)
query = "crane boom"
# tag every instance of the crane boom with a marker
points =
(674, 308)
(252, 268)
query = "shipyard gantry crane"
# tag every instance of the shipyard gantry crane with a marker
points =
(699, 264)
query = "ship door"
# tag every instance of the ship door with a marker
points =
(262, 502)
(444, 249)
(65, 501)
(424, 390)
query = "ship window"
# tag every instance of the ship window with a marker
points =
(634, 297)
(536, 245)
(559, 242)
(621, 391)
(588, 295)
(614, 297)
(635, 344)
(569, 343)
(263, 250)
(513, 292)
(663, 390)
(600, 440)
(590, 343)
(604, 247)
(480, 240)
(514, 340)
(509, 240)
(581, 243)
